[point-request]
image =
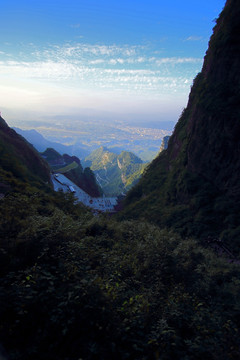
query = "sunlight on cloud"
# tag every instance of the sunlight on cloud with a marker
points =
(65, 74)
(176, 61)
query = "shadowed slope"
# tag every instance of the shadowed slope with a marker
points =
(194, 185)
(20, 158)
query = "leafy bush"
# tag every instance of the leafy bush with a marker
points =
(74, 286)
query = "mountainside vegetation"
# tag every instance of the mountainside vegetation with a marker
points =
(194, 185)
(19, 160)
(77, 286)
(71, 167)
(115, 173)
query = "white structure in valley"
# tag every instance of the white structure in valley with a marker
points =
(103, 204)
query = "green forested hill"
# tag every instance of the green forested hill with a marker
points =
(71, 167)
(194, 185)
(115, 173)
(19, 160)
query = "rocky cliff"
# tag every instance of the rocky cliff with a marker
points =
(72, 168)
(164, 143)
(194, 185)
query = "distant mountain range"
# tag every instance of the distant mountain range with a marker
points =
(41, 143)
(81, 138)
(115, 173)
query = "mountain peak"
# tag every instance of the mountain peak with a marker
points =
(194, 186)
(3, 122)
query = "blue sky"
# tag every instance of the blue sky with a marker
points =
(122, 58)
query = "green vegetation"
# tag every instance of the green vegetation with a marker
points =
(76, 286)
(73, 286)
(115, 173)
(68, 167)
(18, 157)
(52, 156)
(73, 170)
(85, 179)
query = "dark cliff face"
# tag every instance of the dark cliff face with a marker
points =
(20, 158)
(194, 185)
(214, 125)
(209, 129)
(164, 143)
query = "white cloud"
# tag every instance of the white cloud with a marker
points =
(175, 61)
(83, 76)
(75, 74)
(194, 38)
(112, 62)
(97, 61)
(5, 54)
(82, 49)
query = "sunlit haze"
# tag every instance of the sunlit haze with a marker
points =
(101, 59)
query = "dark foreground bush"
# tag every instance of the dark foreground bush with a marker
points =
(77, 287)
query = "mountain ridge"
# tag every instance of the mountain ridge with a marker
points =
(116, 173)
(72, 168)
(41, 143)
(193, 186)
(20, 158)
